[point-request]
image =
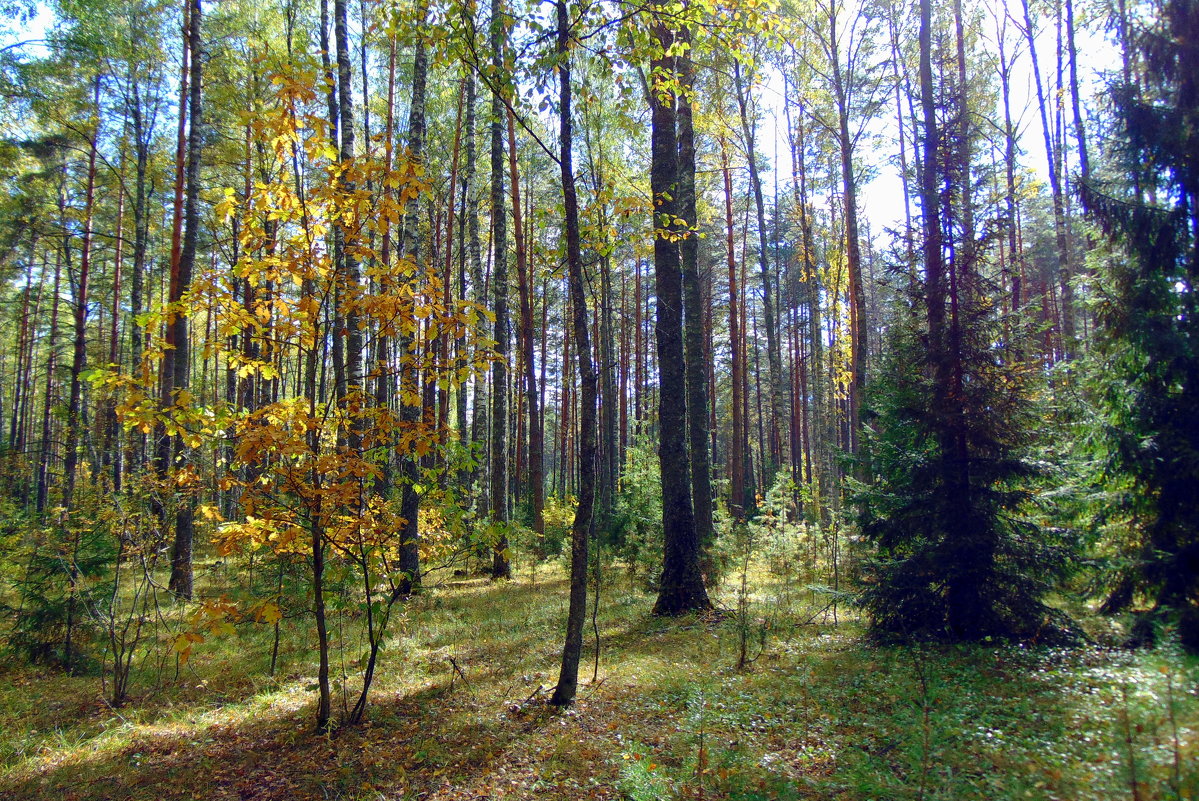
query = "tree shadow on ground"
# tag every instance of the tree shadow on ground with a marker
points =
(822, 714)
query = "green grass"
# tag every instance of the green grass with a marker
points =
(821, 713)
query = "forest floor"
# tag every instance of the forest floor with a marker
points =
(820, 713)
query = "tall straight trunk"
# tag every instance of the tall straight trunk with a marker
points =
(760, 478)
(801, 356)
(324, 705)
(1015, 259)
(623, 380)
(179, 378)
(25, 424)
(608, 454)
(743, 313)
(478, 421)
(44, 452)
(638, 350)
(74, 411)
(383, 343)
(796, 400)
(853, 243)
(568, 675)
(79, 358)
(21, 386)
(409, 378)
(681, 588)
(817, 474)
(141, 226)
(527, 342)
(444, 346)
(773, 357)
(896, 62)
(1059, 204)
(465, 188)
(501, 567)
(694, 348)
(965, 179)
(351, 270)
(543, 354)
(185, 77)
(738, 444)
(930, 199)
(112, 452)
(609, 449)
(162, 443)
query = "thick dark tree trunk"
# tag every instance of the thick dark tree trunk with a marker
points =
(682, 587)
(351, 269)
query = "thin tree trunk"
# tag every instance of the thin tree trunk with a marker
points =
(1059, 206)
(564, 693)
(772, 340)
(112, 451)
(739, 444)
(181, 552)
(853, 246)
(527, 341)
(694, 348)
(1015, 260)
(44, 452)
(79, 359)
(501, 566)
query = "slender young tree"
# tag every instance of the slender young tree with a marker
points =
(568, 676)
(524, 273)
(773, 357)
(501, 567)
(1065, 275)
(694, 333)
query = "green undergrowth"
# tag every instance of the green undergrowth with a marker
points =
(458, 711)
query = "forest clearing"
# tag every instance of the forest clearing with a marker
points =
(820, 713)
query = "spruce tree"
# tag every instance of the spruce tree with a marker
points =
(956, 556)
(957, 552)
(1147, 316)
